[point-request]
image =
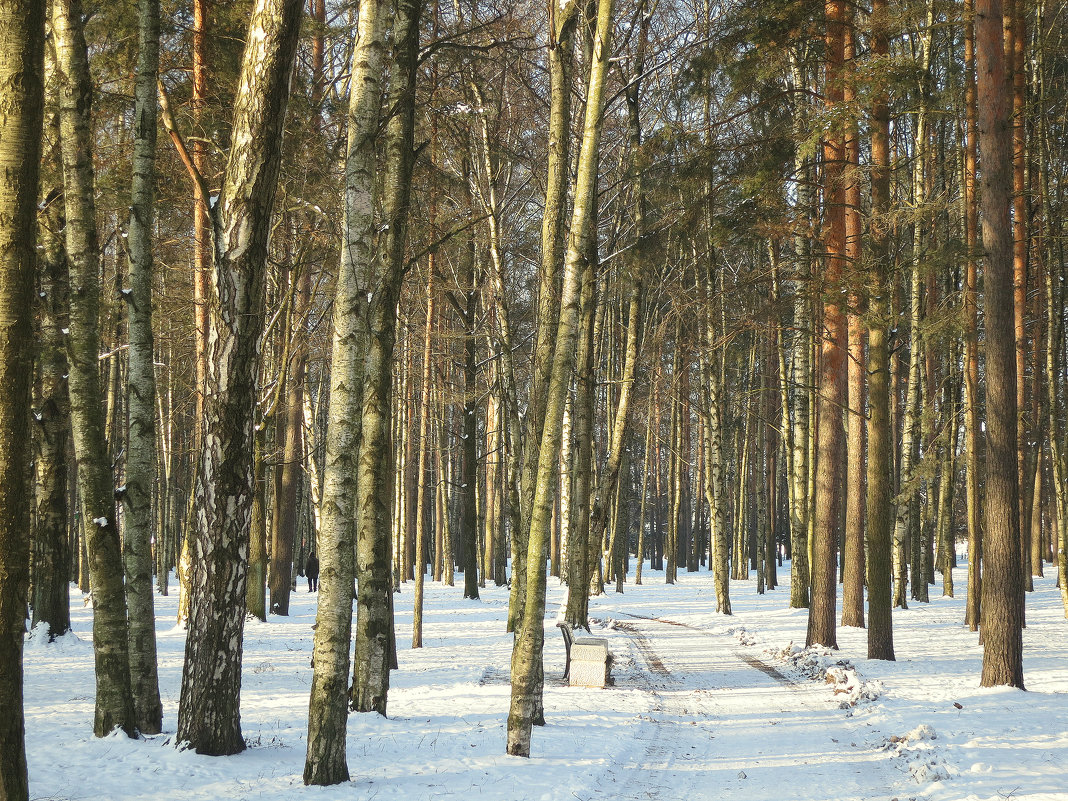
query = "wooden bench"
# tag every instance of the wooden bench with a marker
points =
(588, 659)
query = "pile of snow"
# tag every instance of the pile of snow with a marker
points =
(743, 635)
(822, 664)
(919, 752)
(69, 643)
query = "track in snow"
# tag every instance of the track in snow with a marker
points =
(710, 703)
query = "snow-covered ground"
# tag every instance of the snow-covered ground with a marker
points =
(704, 707)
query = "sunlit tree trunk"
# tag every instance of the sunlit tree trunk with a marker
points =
(202, 260)
(527, 650)
(375, 637)
(832, 375)
(1016, 66)
(326, 762)
(581, 548)
(633, 293)
(208, 714)
(801, 364)
(971, 335)
(856, 368)
(560, 50)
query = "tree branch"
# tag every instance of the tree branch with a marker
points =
(201, 186)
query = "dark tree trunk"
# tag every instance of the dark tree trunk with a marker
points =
(1002, 617)
(469, 450)
(292, 473)
(21, 101)
(52, 568)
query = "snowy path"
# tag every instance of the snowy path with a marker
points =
(712, 701)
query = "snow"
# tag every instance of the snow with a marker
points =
(703, 707)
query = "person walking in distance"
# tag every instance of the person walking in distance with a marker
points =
(311, 570)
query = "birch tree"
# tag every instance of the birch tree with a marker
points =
(51, 590)
(328, 705)
(375, 636)
(209, 712)
(96, 487)
(527, 649)
(141, 384)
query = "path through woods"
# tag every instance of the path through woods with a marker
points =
(711, 701)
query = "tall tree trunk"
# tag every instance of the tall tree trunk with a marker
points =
(445, 557)
(424, 454)
(326, 762)
(209, 710)
(711, 368)
(21, 102)
(801, 364)
(114, 704)
(633, 295)
(1058, 448)
(501, 338)
(639, 551)
(51, 585)
(715, 482)
(285, 523)
(856, 368)
(971, 336)
(202, 260)
(527, 651)
(141, 385)
(581, 545)
(832, 377)
(560, 46)
(1016, 66)
(1002, 602)
(469, 426)
(375, 637)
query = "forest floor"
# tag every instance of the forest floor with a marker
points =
(704, 706)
